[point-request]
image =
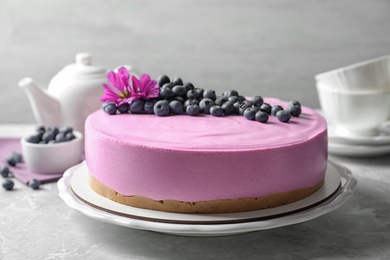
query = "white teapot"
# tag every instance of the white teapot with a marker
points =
(71, 96)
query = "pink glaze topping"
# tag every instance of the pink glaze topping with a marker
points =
(204, 157)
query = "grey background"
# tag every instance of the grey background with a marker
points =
(268, 48)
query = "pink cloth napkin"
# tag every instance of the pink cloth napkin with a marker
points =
(9, 145)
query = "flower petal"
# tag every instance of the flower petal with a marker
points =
(109, 95)
(124, 74)
(144, 79)
(135, 84)
(153, 89)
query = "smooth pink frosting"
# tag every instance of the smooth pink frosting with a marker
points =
(197, 158)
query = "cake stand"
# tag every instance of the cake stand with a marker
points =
(76, 193)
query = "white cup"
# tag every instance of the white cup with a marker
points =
(355, 113)
(52, 158)
(367, 75)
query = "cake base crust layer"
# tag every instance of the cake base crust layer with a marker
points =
(205, 207)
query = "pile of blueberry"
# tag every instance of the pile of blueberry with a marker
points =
(51, 135)
(177, 97)
(13, 159)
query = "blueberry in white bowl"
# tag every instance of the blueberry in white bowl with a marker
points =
(54, 152)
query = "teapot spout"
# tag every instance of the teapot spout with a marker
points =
(46, 109)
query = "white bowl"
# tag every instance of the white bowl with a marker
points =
(367, 75)
(52, 158)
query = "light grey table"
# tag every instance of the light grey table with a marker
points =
(39, 225)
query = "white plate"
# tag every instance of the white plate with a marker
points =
(75, 191)
(358, 150)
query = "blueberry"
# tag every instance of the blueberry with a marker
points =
(11, 160)
(257, 101)
(261, 117)
(161, 108)
(234, 99)
(60, 137)
(166, 93)
(44, 142)
(179, 91)
(177, 81)
(33, 139)
(283, 116)
(180, 99)
(136, 106)
(54, 130)
(176, 107)
(250, 113)
(243, 107)
(247, 102)
(294, 103)
(193, 109)
(48, 136)
(34, 184)
(163, 79)
(50, 142)
(167, 85)
(192, 94)
(40, 129)
(237, 107)
(17, 156)
(265, 107)
(216, 111)
(230, 93)
(109, 108)
(124, 108)
(190, 102)
(220, 100)
(14, 158)
(188, 86)
(200, 92)
(66, 129)
(294, 110)
(8, 184)
(205, 104)
(228, 108)
(148, 106)
(4, 171)
(70, 136)
(208, 93)
(242, 98)
(275, 109)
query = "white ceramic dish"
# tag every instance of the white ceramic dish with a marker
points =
(75, 191)
(52, 158)
(353, 150)
(371, 74)
(357, 113)
(383, 137)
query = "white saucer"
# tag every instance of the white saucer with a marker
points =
(358, 150)
(76, 192)
(383, 137)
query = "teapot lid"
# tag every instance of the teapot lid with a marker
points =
(83, 67)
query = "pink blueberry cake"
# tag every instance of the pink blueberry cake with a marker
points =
(203, 163)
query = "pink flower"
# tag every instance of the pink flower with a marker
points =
(118, 91)
(144, 87)
(121, 91)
